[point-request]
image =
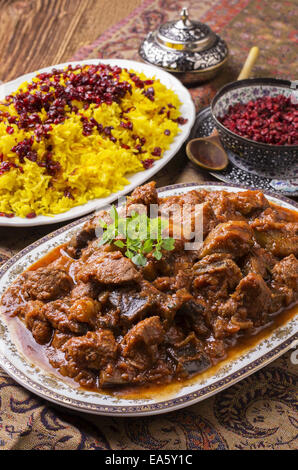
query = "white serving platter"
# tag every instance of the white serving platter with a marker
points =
(187, 110)
(53, 387)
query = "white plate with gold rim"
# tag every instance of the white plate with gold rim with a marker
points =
(55, 388)
(187, 110)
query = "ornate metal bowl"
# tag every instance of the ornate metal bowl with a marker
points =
(188, 49)
(257, 157)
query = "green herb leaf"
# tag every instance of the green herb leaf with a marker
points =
(139, 260)
(148, 245)
(168, 244)
(157, 254)
(102, 223)
(114, 214)
(119, 243)
(141, 235)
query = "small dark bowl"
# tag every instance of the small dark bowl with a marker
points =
(260, 158)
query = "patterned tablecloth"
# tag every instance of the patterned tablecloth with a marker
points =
(257, 413)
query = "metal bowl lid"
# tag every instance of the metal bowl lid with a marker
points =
(184, 45)
(185, 34)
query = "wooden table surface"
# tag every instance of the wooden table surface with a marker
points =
(38, 33)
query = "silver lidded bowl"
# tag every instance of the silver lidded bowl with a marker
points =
(278, 161)
(188, 49)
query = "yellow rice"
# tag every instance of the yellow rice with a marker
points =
(92, 166)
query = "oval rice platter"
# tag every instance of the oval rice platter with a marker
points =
(187, 110)
(53, 387)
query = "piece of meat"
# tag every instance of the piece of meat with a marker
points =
(189, 356)
(209, 218)
(137, 371)
(194, 197)
(216, 207)
(139, 353)
(59, 339)
(87, 233)
(233, 237)
(109, 318)
(14, 298)
(191, 317)
(119, 374)
(127, 210)
(84, 310)
(280, 238)
(170, 264)
(285, 272)
(57, 314)
(186, 215)
(146, 333)
(285, 282)
(169, 304)
(80, 240)
(94, 251)
(155, 268)
(133, 305)
(187, 224)
(36, 322)
(259, 261)
(47, 283)
(249, 203)
(109, 268)
(249, 304)
(168, 205)
(85, 289)
(182, 280)
(145, 195)
(216, 271)
(215, 278)
(92, 351)
(274, 214)
(223, 207)
(174, 334)
(215, 349)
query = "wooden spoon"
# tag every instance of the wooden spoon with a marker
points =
(208, 152)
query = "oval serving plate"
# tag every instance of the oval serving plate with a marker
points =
(54, 388)
(187, 110)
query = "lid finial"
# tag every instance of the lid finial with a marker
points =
(184, 14)
(184, 22)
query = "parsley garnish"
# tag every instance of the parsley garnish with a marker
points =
(138, 234)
